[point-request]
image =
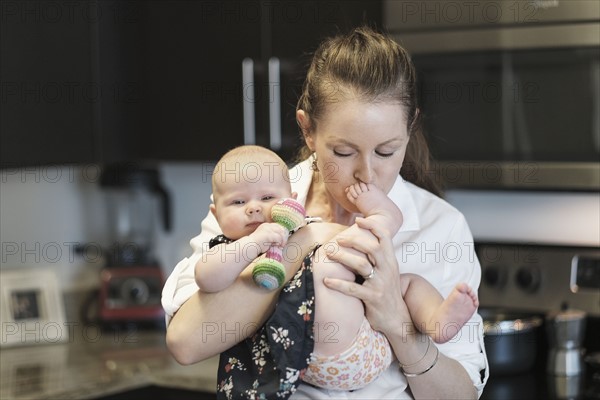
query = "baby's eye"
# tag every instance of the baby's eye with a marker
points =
(267, 198)
(238, 202)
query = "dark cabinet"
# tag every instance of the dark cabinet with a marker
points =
(47, 88)
(291, 36)
(112, 81)
(221, 74)
(69, 93)
(193, 78)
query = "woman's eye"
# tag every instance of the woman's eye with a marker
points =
(383, 154)
(341, 154)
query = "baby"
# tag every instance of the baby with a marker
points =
(247, 182)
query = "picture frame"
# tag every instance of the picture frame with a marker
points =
(31, 308)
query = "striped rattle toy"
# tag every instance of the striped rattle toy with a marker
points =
(269, 273)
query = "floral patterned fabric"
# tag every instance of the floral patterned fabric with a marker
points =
(369, 355)
(271, 363)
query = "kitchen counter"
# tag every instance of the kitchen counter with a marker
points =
(95, 363)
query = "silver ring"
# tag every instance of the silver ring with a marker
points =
(372, 274)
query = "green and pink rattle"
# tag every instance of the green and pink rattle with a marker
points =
(269, 273)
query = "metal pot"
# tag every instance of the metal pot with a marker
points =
(511, 340)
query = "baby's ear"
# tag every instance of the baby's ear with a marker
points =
(213, 209)
(295, 195)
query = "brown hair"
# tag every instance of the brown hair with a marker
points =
(375, 68)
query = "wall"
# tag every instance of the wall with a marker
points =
(45, 211)
(561, 218)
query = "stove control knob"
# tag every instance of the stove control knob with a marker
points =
(528, 278)
(495, 276)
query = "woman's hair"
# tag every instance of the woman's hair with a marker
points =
(373, 67)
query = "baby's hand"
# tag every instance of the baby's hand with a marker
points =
(269, 234)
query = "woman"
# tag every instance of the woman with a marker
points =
(360, 121)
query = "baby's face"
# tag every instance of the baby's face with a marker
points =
(243, 199)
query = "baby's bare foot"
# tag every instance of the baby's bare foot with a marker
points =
(372, 202)
(452, 314)
(353, 192)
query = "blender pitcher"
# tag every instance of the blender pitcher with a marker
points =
(135, 197)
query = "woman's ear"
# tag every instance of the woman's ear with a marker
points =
(415, 122)
(304, 124)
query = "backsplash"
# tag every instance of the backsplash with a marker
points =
(47, 211)
(536, 217)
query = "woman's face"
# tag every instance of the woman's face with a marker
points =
(358, 142)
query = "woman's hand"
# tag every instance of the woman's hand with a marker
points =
(387, 312)
(367, 250)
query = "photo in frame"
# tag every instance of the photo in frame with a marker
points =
(31, 308)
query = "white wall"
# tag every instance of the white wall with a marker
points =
(561, 218)
(44, 211)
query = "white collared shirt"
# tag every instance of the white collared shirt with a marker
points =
(434, 241)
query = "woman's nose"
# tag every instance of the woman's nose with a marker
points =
(364, 171)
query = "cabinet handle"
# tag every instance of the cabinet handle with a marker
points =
(248, 99)
(274, 104)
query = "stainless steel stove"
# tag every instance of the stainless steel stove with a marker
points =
(540, 278)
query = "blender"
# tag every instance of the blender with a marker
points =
(132, 280)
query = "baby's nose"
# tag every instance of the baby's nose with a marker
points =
(253, 209)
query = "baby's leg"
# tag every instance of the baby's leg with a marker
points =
(373, 203)
(338, 317)
(432, 314)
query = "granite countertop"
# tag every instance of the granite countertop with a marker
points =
(95, 363)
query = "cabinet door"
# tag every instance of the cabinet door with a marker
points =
(297, 27)
(193, 90)
(47, 88)
(118, 66)
(295, 30)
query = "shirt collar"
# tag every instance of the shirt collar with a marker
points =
(402, 196)
(301, 178)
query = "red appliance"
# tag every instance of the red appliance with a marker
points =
(131, 294)
(132, 280)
